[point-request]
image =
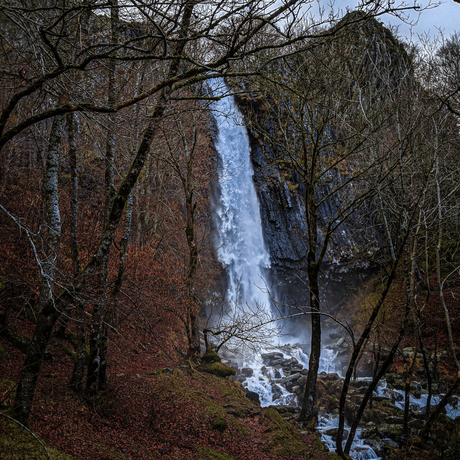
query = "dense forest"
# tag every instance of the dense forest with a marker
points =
(117, 339)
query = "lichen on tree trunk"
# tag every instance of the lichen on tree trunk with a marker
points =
(48, 311)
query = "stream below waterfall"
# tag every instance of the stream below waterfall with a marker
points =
(277, 371)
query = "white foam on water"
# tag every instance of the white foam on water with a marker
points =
(358, 451)
(243, 253)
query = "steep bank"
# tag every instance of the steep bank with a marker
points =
(148, 412)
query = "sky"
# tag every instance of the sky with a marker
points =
(445, 17)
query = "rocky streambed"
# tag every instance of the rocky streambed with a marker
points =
(277, 378)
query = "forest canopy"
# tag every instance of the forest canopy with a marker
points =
(108, 164)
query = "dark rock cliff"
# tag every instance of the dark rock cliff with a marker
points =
(283, 216)
(355, 242)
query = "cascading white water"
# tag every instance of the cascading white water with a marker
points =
(240, 243)
(241, 249)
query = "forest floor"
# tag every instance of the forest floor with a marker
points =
(156, 407)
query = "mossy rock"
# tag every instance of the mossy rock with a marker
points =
(318, 445)
(335, 456)
(284, 439)
(179, 387)
(210, 357)
(234, 395)
(219, 424)
(211, 454)
(3, 355)
(218, 369)
(16, 443)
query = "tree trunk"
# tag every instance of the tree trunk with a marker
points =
(76, 381)
(70, 123)
(114, 294)
(48, 311)
(193, 328)
(309, 399)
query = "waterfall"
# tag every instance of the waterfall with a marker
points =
(240, 243)
(274, 371)
(242, 251)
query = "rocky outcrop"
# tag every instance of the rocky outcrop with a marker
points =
(283, 215)
(385, 64)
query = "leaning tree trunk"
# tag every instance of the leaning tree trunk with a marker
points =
(48, 311)
(193, 332)
(114, 294)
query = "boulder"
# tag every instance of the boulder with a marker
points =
(210, 357)
(388, 431)
(253, 396)
(272, 356)
(333, 433)
(290, 362)
(247, 372)
(328, 377)
(373, 444)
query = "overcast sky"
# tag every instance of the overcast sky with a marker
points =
(445, 17)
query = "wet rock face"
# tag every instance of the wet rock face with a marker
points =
(282, 211)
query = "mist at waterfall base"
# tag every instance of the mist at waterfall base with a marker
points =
(241, 249)
(251, 300)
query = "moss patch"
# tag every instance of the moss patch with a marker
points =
(211, 454)
(217, 369)
(211, 357)
(318, 445)
(235, 398)
(178, 387)
(17, 443)
(219, 424)
(284, 439)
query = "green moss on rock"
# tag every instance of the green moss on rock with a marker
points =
(179, 387)
(285, 439)
(218, 369)
(318, 445)
(211, 357)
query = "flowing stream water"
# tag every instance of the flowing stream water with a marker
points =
(242, 251)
